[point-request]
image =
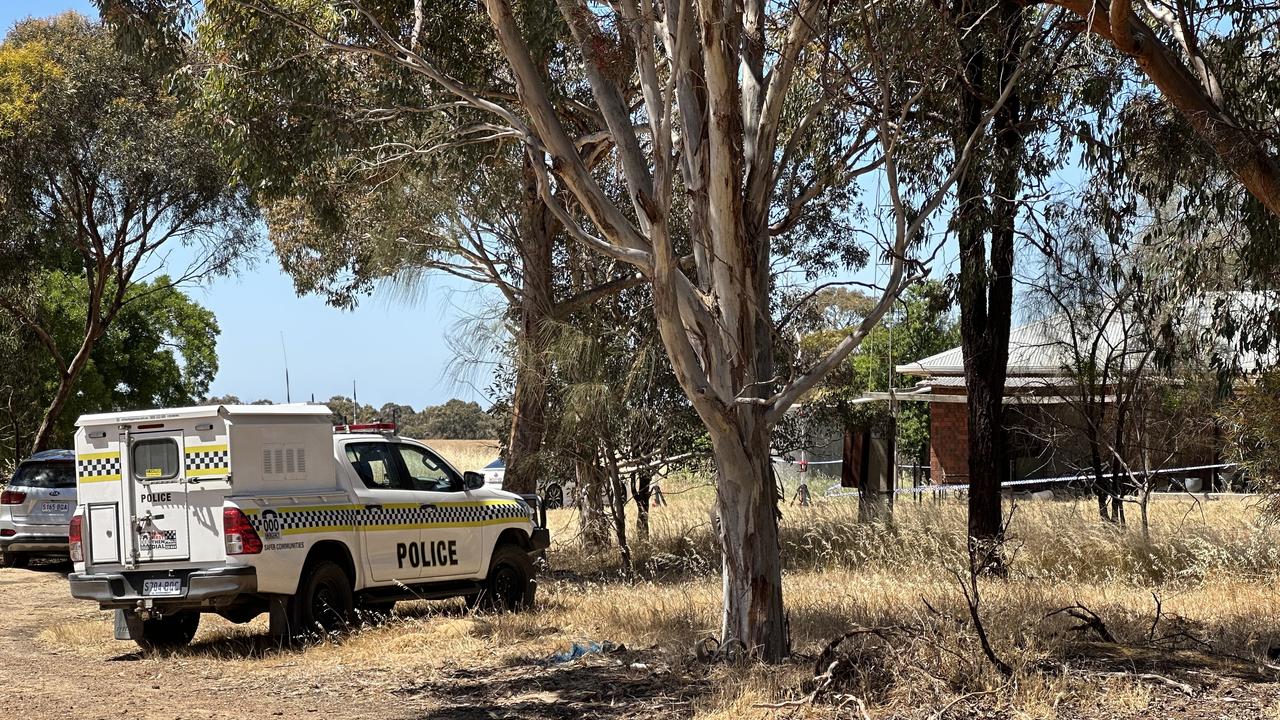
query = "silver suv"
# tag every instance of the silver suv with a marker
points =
(36, 508)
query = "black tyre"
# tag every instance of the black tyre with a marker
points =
(169, 632)
(553, 497)
(324, 603)
(511, 582)
(15, 560)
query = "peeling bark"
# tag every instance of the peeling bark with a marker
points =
(746, 501)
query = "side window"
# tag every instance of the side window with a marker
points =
(375, 464)
(155, 459)
(427, 471)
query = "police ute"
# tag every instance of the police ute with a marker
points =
(244, 509)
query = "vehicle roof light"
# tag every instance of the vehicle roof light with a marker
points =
(379, 427)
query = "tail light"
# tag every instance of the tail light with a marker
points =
(75, 538)
(12, 497)
(8, 532)
(239, 534)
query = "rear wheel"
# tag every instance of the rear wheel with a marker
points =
(169, 632)
(554, 497)
(510, 584)
(15, 560)
(324, 603)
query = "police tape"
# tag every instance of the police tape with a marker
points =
(838, 491)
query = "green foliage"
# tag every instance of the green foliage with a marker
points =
(102, 148)
(1251, 425)
(922, 326)
(1155, 184)
(454, 420)
(362, 165)
(103, 171)
(160, 352)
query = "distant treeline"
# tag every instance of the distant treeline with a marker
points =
(454, 420)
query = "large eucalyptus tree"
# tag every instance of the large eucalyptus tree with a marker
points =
(702, 138)
(102, 174)
(371, 174)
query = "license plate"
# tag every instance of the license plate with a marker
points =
(162, 587)
(50, 508)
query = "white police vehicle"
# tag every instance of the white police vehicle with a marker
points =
(239, 510)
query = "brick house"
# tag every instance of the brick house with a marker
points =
(1043, 409)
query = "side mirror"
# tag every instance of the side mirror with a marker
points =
(472, 480)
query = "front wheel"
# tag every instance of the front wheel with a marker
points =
(169, 632)
(324, 603)
(511, 583)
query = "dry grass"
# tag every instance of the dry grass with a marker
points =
(1211, 564)
(466, 454)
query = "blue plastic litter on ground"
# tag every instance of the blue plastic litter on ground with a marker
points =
(577, 650)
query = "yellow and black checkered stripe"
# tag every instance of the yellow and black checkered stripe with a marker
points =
(98, 466)
(390, 516)
(207, 460)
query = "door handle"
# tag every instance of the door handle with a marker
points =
(427, 506)
(372, 507)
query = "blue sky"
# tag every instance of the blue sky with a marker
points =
(395, 350)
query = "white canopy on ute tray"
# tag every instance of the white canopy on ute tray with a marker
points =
(231, 411)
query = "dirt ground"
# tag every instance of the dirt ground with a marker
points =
(46, 681)
(59, 660)
(1213, 654)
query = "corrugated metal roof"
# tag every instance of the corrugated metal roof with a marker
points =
(1047, 347)
(1030, 382)
(1042, 347)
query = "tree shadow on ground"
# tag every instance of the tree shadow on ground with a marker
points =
(617, 685)
(1195, 667)
(252, 644)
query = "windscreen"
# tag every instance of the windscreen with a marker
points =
(45, 475)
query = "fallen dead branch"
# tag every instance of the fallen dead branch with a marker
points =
(1089, 620)
(1148, 677)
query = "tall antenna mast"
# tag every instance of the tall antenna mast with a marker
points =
(285, 352)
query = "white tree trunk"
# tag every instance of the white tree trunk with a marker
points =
(746, 504)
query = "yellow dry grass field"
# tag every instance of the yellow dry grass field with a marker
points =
(1178, 628)
(466, 454)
